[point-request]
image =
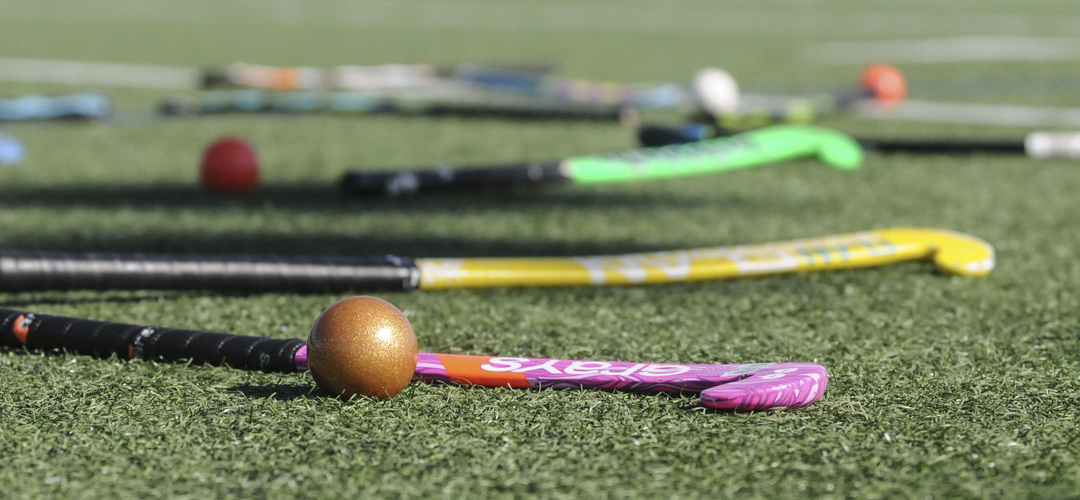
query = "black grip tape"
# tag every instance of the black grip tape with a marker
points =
(361, 183)
(654, 136)
(943, 147)
(100, 338)
(528, 112)
(22, 271)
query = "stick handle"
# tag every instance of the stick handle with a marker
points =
(729, 153)
(1052, 144)
(80, 106)
(362, 183)
(21, 271)
(501, 104)
(126, 341)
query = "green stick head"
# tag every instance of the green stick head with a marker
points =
(839, 150)
(751, 149)
(831, 147)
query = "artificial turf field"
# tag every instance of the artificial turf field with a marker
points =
(940, 387)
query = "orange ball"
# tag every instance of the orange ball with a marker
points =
(362, 345)
(886, 82)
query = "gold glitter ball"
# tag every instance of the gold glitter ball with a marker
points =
(362, 345)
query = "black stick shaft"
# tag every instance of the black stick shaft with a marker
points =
(310, 101)
(554, 111)
(361, 183)
(654, 136)
(23, 271)
(125, 341)
(943, 146)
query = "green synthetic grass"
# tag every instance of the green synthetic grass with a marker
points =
(940, 387)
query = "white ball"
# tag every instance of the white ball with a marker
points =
(716, 91)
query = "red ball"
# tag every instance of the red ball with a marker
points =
(230, 165)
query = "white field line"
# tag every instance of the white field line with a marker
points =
(946, 50)
(979, 114)
(531, 17)
(97, 73)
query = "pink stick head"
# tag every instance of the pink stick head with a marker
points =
(765, 386)
(745, 387)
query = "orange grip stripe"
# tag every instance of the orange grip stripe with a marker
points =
(286, 79)
(19, 329)
(466, 370)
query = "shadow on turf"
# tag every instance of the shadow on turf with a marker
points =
(279, 392)
(257, 241)
(322, 198)
(326, 197)
(27, 299)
